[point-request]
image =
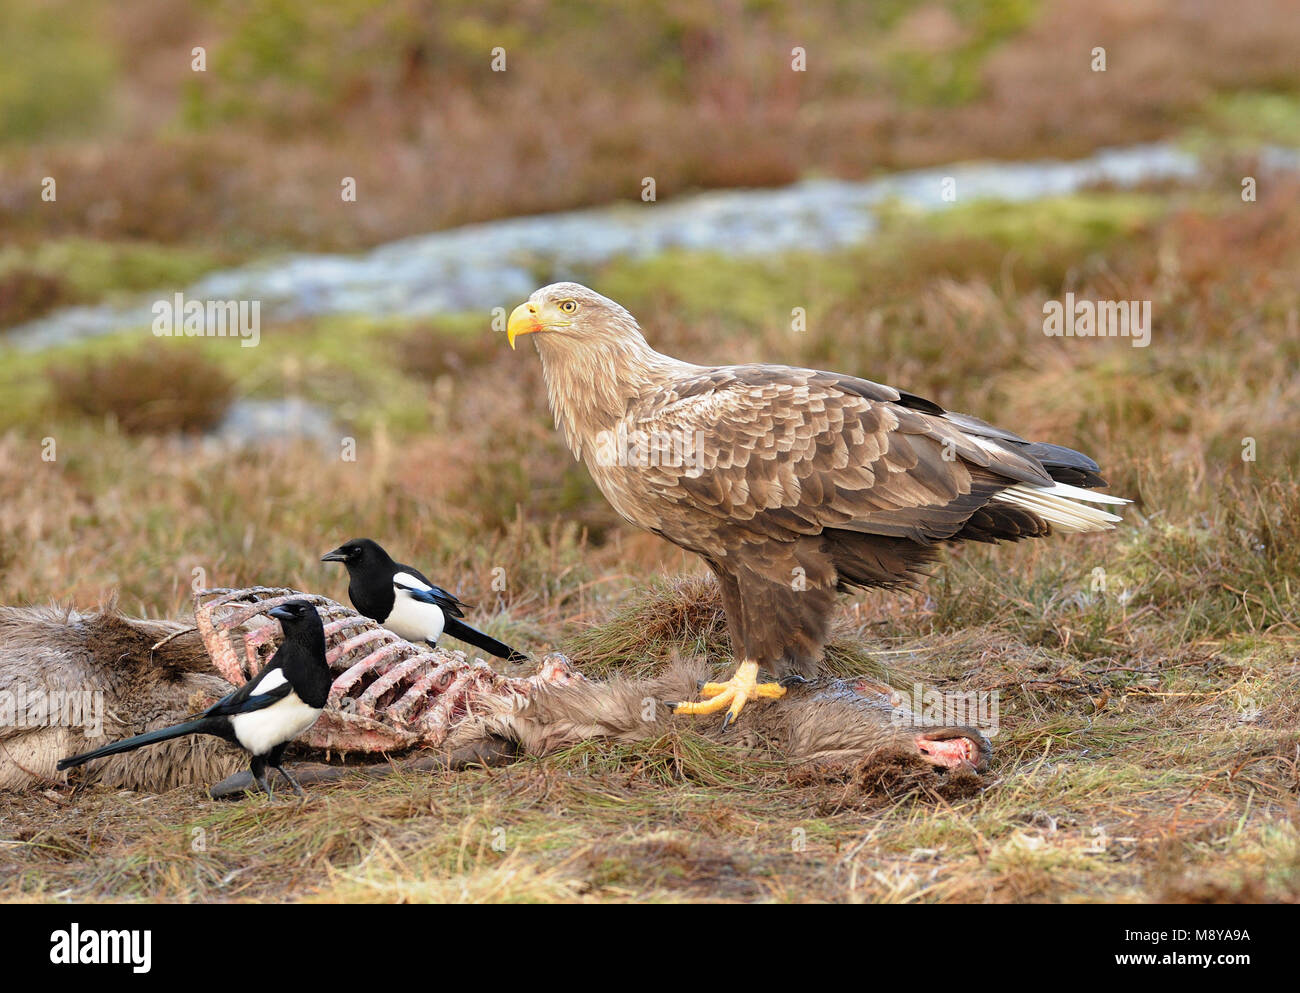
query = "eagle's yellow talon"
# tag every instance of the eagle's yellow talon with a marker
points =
(703, 706)
(733, 694)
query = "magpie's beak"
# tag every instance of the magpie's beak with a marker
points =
(281, 613)
(338, 555)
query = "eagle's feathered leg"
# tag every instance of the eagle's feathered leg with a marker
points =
(777, 598)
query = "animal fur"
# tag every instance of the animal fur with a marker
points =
(51, 650)
(143, 688)
(827, 721)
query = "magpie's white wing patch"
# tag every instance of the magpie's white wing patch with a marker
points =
(404, 580)
(267, 681)
(261, 730)
(413, 618)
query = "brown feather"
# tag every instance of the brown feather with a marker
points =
(799, 482)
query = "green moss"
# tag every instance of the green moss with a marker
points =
(746, 292)
(1249, 117)
(94, 270)
(967, 240)
(952, 77)
(344, 364)
(55, 73)
(1087, 220)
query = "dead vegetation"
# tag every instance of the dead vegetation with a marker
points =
(151, 391)
(696, 95)
(1165, 791)
(1148, 679)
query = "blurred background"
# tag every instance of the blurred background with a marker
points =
(177, 461)
(890, 189)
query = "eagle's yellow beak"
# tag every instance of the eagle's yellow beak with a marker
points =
(523, 320)
(529, 318)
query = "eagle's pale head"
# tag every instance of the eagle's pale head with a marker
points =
(573, 312)
(594, 357)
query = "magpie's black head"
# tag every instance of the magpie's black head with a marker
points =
(359, 554)
(296, 615)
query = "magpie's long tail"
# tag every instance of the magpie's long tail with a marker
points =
(461, 630)
(139, 741)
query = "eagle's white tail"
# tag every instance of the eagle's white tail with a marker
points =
(1059, 505)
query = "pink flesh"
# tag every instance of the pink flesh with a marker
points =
(421, 692)
(556, 670)
(441, 713)
(429, 691)
(220, 619)
(368, 700)
(432, 691)
(951, 753)
(337, 731)
(342, 624)
(373, 664)
(337, 652)
(257, 610)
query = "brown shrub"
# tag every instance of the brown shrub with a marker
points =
(155, 390)
(431, 352)
(26, 294)
(695, 104)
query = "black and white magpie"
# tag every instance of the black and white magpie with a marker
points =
(402, 599)
(268, 711)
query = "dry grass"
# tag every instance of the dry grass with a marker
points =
(151, 391)
(401, 96)
(1168, 792)
(27, 293)
(1147, 746)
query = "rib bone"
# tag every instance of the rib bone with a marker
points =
(429, 691)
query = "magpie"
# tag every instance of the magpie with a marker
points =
(268, 711)
(403, 600)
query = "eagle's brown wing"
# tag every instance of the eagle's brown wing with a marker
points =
(780, 452)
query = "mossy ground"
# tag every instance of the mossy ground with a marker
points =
(1148, 720)
(1148, 678)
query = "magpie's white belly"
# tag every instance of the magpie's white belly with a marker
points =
(415, 620)
(261, 730)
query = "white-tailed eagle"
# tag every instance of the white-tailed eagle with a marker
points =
(792, 484)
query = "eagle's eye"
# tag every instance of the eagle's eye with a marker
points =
(569, 306)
